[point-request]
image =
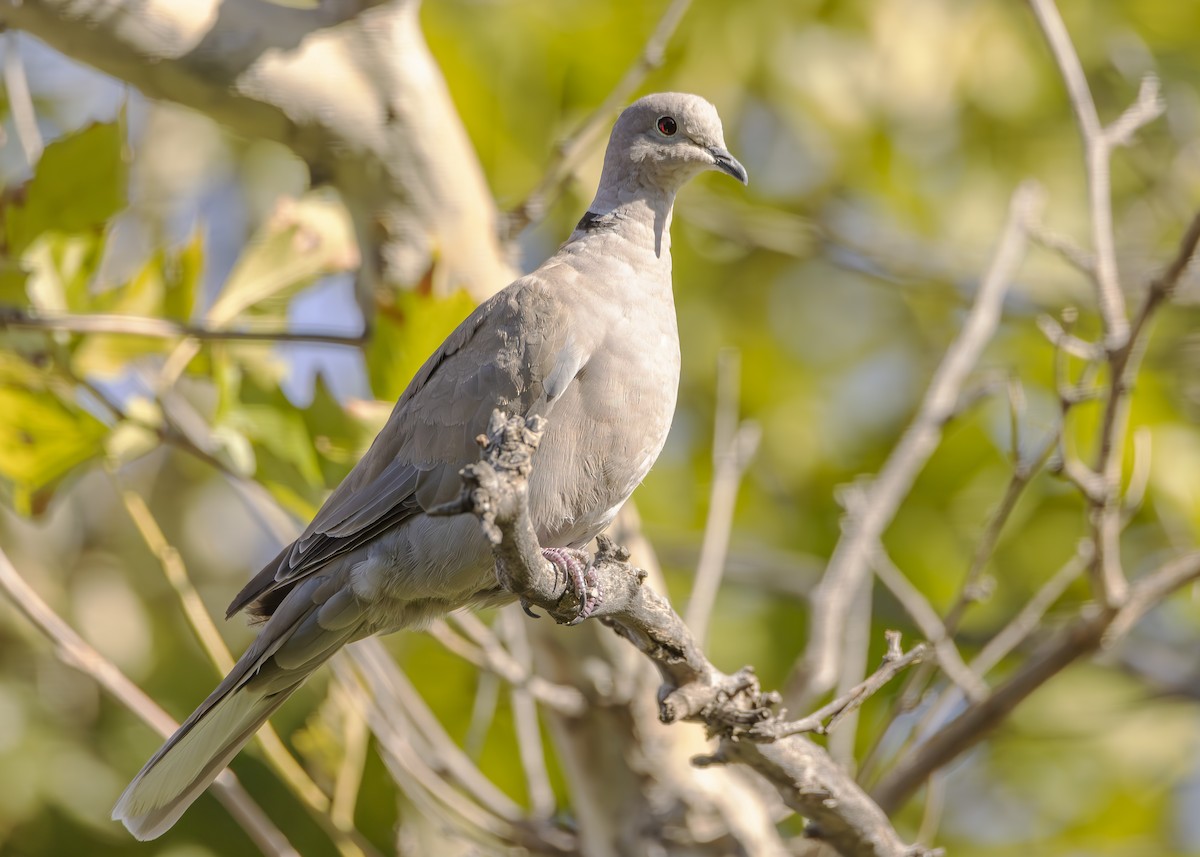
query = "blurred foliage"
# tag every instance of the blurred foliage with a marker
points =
(882, 137)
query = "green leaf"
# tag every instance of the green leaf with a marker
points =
(78, 185)
(61, 267)
(262, 413)
(105, 355)
(41, 439)
(406, 333)
(13, 276)
(306, 238)
(338, 437)
(181, 276)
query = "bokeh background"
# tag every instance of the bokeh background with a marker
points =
(883, 139)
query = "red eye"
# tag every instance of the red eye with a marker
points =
(667, 126)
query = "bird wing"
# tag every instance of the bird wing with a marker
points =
(504, 355)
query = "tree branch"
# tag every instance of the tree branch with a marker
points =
(734, 446)
(20, 102)
(816, 672)
(826, 719)
(14, 318)
(72, 650)
(570, 150)
(495, 490)
(1082, 637)
(345, 836)
(349, 85)
(1098, 143)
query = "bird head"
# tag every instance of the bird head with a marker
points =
(667, 138)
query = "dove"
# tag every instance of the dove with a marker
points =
(588, 340)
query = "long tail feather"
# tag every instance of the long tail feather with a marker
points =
(290, 646)
(191, 759)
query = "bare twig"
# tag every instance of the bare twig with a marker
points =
(1064, 247)
(348, 780)
(935, 805)
(348, 840)
(826, 719)
(1107, 510)
(1023, 473)
(349, 85)
(856, 649)
(571, 149)
(1139, 478)
(1029, 617)
(160, 328)
(489, 654)
(1064, 341)
(72, 650)
(525, 717)
(729, 706)
(1147, 107)
(927, 619)
(425, 760)
(177, 575)
(1016, 632)
(1098, 143)
(816, 672)
(20, 102)
(734, 445)
(1083, 636)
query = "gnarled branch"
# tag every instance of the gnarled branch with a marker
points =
(729, 706)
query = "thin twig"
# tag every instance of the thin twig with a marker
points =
(1082, 637)
(734, 445)
(72, 650)
(355, 743)
(525, 716)
(1097, 149)
(1147, 107)
(348, 840)
(14, 318)
(496, 492)
(570, 150)
(935, 806)
(816, 672)
(420, 782)
(1074, 255)
(1029, 617)
(1019, 629)
(1022, 475)
(489, 654)
(856, 649)
(918, 607)
(1107, 511)
(1139, 477)
(1053, 330)
(827, 718)
(20, 102)
(424, 758)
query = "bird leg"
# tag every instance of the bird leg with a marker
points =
(575, 566)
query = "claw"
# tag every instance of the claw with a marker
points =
(528, 608)
(578, 576)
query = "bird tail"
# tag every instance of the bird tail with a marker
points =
(298, 638)
(192, 758)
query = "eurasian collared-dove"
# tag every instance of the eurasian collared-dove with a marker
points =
(588, 340)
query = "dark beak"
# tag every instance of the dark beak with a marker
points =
(727, 163)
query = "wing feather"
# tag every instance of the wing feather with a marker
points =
(499, 357)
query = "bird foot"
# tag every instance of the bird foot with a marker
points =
(578, 575)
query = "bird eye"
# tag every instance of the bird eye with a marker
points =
(667, 126)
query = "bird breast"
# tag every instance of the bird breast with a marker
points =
(608, 427)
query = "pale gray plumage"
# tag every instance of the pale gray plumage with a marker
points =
(588, 340)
